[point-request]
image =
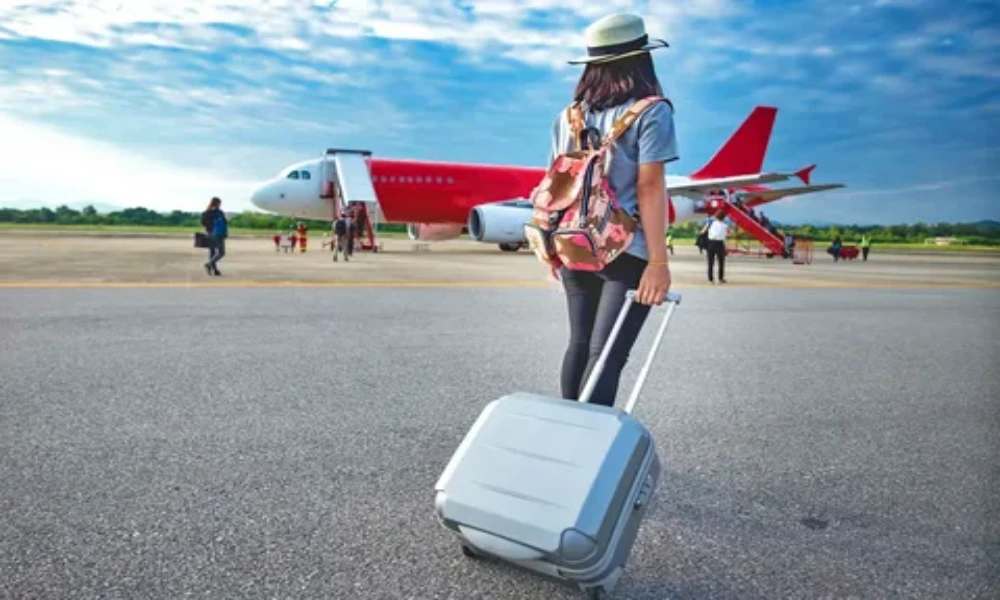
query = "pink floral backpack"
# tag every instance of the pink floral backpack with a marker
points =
(577, 221)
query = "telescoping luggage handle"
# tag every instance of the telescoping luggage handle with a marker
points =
(672, 301)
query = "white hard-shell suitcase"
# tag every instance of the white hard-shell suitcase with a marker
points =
(556, 486)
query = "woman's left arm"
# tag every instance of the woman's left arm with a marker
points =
(657, 146)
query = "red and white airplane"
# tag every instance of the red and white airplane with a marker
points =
(441, 200)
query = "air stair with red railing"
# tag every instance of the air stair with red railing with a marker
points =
(754, 228)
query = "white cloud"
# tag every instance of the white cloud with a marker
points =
(301, 25)
(44, 164)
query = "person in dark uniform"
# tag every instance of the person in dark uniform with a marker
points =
(340, 232)
(213, 220)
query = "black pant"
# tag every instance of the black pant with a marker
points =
(593, 301)
(216, 250)
(864, 253)
(716, 249)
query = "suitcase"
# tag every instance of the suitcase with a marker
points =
(559, 487)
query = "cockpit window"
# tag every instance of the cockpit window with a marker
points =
(305, 174)
(293, 175)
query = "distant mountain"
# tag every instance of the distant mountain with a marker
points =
(987, 224)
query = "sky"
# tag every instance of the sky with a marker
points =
(165, 103)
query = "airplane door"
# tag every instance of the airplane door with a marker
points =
(355, 178)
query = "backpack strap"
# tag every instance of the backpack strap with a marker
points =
(625, 121)
(574, 116)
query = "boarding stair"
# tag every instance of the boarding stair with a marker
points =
(755, 229)
(347, 183)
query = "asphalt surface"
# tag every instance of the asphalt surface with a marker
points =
(284, 443)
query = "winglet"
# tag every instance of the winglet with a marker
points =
(804, 174)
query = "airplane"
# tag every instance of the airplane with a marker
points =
(442, 200)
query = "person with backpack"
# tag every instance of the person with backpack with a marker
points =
(213, 220)
(620, 241)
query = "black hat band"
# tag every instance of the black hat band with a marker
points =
(635, 44)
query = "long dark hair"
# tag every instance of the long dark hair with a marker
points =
(604, 85)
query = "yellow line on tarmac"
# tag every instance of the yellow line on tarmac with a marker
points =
(264, 284)
(808, 284)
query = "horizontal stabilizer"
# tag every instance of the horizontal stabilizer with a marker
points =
(702, 186)
(762, 197)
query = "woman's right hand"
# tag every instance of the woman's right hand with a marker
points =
(654, 285)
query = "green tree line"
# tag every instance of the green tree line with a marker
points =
(983, 232)
(64, 215)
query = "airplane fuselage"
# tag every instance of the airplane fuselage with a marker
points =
(410, 191)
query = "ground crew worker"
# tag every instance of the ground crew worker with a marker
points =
(303, 235)
(866, 242)
(670, 242)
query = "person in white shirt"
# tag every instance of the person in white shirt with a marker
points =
(716, 232)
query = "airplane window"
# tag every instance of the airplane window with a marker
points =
(293, 175)
(420, 179)
(305, 175)
(450, 180)
(439, 179)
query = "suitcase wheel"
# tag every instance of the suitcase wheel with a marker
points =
(469, 552)
(597, 593)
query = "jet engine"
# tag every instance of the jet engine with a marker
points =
(433, 232)
(499, 224)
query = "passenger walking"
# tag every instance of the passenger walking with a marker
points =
(716, 233)
(217, 230)
(340, 227)
(835, 248)
(619, 71)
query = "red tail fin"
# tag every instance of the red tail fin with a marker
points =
(743, 153)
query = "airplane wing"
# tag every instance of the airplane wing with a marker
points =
(761, 197)
(700, 186)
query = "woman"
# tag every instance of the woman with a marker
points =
(715, 239)
(618, 72)
(217, 229)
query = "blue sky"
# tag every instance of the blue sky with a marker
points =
(164, 103)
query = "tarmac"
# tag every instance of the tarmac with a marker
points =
(277, 434)
(30, 259)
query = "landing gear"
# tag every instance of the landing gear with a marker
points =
(510, 247)
(597, 593)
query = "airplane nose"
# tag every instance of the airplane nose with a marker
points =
(261, 198)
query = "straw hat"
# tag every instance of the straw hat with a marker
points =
(614, 37)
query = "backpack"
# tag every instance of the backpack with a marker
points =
(341, 227)
(576, 220)
(219, 227)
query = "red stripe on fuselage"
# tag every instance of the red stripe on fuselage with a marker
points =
(411, 191)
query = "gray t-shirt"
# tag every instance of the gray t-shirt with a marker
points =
(651, 138)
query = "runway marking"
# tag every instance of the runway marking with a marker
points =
(264, 284)
(811, 284)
